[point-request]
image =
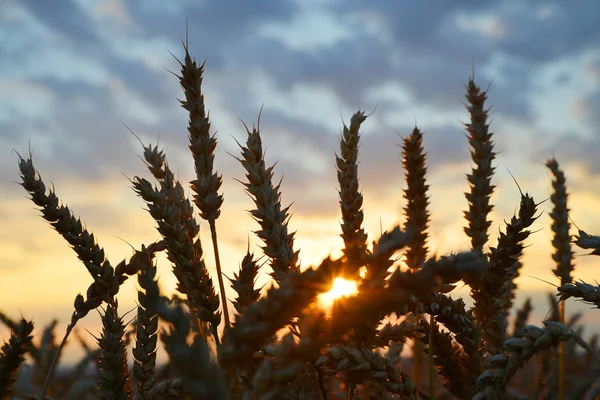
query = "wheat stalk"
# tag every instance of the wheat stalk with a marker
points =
(202, 145)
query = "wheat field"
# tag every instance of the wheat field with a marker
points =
(281, 343)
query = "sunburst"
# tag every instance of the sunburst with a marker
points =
(340, 288)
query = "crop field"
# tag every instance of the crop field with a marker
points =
(335, 330)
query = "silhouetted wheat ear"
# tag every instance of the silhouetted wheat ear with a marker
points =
(417, 200)
(417, 219)
(273, 219)
(70, 228)
(202, 145)
(482, 154)
(244, 282)
(561, 241)
(113, 382)
(12, 355)
(174, 215)
(351, 199)
(144, 352)
(562, 256)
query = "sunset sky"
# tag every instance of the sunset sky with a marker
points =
(74, 72)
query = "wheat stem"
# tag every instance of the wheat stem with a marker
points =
(213, 234)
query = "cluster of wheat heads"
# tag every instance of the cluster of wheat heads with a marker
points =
(280, 345)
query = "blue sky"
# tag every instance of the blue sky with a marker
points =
(73, 72)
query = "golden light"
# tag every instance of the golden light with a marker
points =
(340, 288)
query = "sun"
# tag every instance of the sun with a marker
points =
(341, 288)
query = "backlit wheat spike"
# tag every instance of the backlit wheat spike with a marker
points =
(12, 355)
(586, 241)
(243, 283)
(491, 385)
(492, 289)
(415, 211)
(563, 255)
(273, 219)
(62, 220)
(584, 291)
(417, 218)
(174, 214)
(106, 280)
(144, 352)
(482, 154)
(351, 199)
(202, 145)
(113, 382)
(561, 241)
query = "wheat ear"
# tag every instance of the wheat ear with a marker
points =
(351, 199)
(586, 241)
(174, 214)
(482, 154)
(113, 381)
(144, 352)
(106, 279)
(491, 385)
(490, 295)
(202, 145)
(243, 283)
(563, 255)
(273, 219)
(417, 217)
(12, 355)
